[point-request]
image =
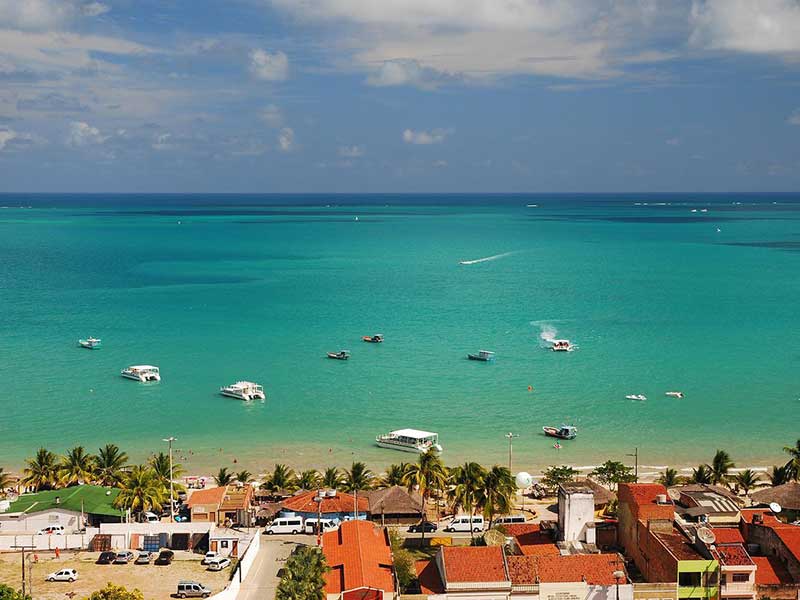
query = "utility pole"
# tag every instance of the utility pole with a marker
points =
(22, 548)
(510, 437)
(171, 498)
(636, 463)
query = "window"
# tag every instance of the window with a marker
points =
(741, 577)
(689, 579)
(223, 544)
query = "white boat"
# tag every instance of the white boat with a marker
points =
(636, 397)
(142, 373)
(244, 390)
(409, 440)
(561, 346)
(674, 394)
(91, 343)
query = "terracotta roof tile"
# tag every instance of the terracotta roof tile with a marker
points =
(237, 498)
(531, 540)
(728, 535)
(770, 571)
(731, 555)
(428, 575)
(207, 496)
(464, 564)
(359, 555)
(595, 569)
(790, 536)
(522, 569)
(340, 503)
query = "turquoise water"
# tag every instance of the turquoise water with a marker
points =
(215, 289)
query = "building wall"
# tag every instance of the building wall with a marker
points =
(655, 591)
(575, 510)
(733, 589)
(778, 592)
(657, 564)
(33, 522)
(771, 545)
(708, 571)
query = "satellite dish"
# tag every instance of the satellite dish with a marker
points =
(674, 493)
(524, 480)
(775, 507)
(493, 537)
(706, 535)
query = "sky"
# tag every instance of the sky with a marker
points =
(399, 95)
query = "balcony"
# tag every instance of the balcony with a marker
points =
(738, 589)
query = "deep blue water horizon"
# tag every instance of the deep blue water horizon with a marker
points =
(219, 287)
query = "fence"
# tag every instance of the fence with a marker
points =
(72, 541)
(242, 569)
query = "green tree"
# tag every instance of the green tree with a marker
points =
(720, 465)
(393, 476)
(611, 473)
(308, 480)
(141, 489)
(466, 484)
(5, 482)
(282, 478)
(116, 592)
(702, 474)
(556, 476)
(426, 476)
(223, 477)
(9, 593)
(668, 478)
(303, 576)
(793, 466)
(243, 477)
(331, 478)
(496, 495)
(358, 477)
(778, 476)
(746, 480)
(77, 466)
(110, 465)
(159, 463)
(41, 472)
(403, 561)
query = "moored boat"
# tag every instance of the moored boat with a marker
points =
(483, 355)
(561, 346)
(340, 355)
(636, 397)
(373, 339)
(410, 440)
(565, 432)
(244, 390)
(91, 343)
(142, 373)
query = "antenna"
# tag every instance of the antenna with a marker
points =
(674, 493)
(493, 537)
(775, 507)
(706, 535)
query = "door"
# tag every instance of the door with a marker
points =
(214, 546)
(234, 548)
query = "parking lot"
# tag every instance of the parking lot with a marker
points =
(155, 582)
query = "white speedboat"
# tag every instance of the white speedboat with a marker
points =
(244, 390)
(674, 394)
(142, 373)
(636, 397)
(561, 346)
(91, 343)
(409, 440)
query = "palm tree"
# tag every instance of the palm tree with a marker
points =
(308, 480)
(393, 476)
(282, 478)
(243, 477)
(778, 476)
(77, 467)
(426, 476)
(223, 477)
(42, 471)
(160, 465)
(303, 576)
(5, 482)
(359, 477)
(702, 474)
(746, 480)
(466, 484)
(142, 489)
(497, 493)
(109, 465)
(668, 478)
(793, 466)
(720, 465)
(331, 478)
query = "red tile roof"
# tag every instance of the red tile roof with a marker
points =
(531, 540)
(359, 556)
(428, 575)
(207, 496)
(643, 498)
(594, 569)
(340, 503)
(770, 571)
(728, 535)
(790, 536)
(732, 555)
(643, 493)
(483, 564)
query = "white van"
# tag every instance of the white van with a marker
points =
(327, 525)
(509, 520)
(293, 525)
(462, 523)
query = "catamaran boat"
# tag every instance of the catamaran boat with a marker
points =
(565, 432)
(373, 339)
(91, 343)
(639, 397)
(561, 346)
(483, 355)
(244, 390)
(409, 440)
(142, 373)
(674, 394)
(340, 355)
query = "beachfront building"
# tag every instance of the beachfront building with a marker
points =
(576, 513)
(394, 505)
(770, 537)
(74, 508)
(332, 505)
(708, 504)
(223, 505)
(359, 556)
(787, 496)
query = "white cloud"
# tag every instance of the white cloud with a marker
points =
(351, 151)
(286, 139)
(95, 9)
(406, 72)
(83, 134)
(270, 67)
(439, 164)
(272, 115)
(435, 136)
(762, 27)
(673, 141)
(794, 118)
(32, 15)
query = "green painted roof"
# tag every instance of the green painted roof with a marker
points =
(94, 497)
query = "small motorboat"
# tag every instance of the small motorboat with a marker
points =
(91, 343)
(483, 355)
(561, 346)
(373, 339)
(565, 432)
(639, 397)
(340, 355)
(674, 394)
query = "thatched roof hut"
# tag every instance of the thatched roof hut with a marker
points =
(395, 504)
(787, 495)
(602, 495)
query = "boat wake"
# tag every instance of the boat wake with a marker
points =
(485, 259)
(547, 332)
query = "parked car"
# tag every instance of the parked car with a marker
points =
(293, 525)
(510, 520)
(123, 557)
(209, 556)
(165, 557)
(52, 530)
(151, 517)
(106, 558)
(63, 575)
(192, 589)
(311, 525)
(143, 558)
(425, 526)
(219, 563)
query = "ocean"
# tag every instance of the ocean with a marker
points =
(690, 292)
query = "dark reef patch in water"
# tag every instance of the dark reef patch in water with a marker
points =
(785, 245)
(665, 220)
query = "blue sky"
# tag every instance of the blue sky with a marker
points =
(399, 95)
